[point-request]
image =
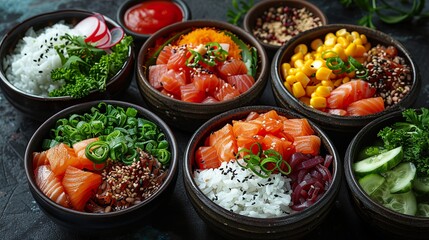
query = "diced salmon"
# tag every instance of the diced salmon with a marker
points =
(190, 93)
(232, 67)
(241, 82)
(84, 163)
(80, 186)
(39, 159)
(247, 129)
(337, 111)
(366, 106)
(51, 185)
(297, 127)
(207, 157)
(224, 142)
(155, 74)
(164, 55)
(177, 60)
(60, 157)
(349, 92)
(270, 121)
(307, 144)
(283, 147)
(207, 83)
(245, 142)
(172, 80)
(210, 99)
(225, 92)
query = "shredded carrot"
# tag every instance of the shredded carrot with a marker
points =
(206, 35)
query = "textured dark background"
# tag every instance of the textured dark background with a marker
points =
(20, 216)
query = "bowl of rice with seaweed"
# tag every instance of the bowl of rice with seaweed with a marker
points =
(57, 59)
(261, 172)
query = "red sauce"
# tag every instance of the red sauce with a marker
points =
(150, 16)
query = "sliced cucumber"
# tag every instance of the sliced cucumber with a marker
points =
(379, 163)
(370, 151)
(421, 184)
(371, 182)
(399, 179)
(422, 210)
(401, 202)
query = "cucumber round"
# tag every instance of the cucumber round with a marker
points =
(404, 203)
(379, 163)
(399, 178)
(371, 182)
(421, 185)
(422, 210)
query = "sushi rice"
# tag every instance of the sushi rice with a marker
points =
(29, 66)
(241, 191)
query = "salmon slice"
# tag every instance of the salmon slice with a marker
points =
(232, 67)
(366, 106)
(245, 142)
(51, 185)
(307, 144)
(172, 80)
(224, 142)
(283, 147)
(210, 99)
(270, 121)
(225, 92)
(297, 127)
(177, 60)
(349, 92)
(241, 82)
(164, 55)
(339, 112)
(60, 157)
(80, 186)
(190, 93)
(155, 74)
(207, 83)
(84, 163)
(246, 129)
(39, 159)
(206, 157)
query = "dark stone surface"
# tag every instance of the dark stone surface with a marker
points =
(20, 216)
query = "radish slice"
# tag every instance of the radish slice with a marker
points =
(100, 17)
(88, 27)
(102, 31)
(105, 40)
(117, 34)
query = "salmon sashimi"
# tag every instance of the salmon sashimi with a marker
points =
(270, 121)
(245, 142)
(225, 92)
(207, 83)
(177, 60)
(297, 127)
(51, 185)
(155, 74)
(164, 55)
(190, 93)
(80, 186)
(39, 159)
(224, 142)
(366, 106)
(80, 149)
(241, 82)
(209, 99)
(279, 145)
(339, 112)
(206, 157)
(232, 67)
(172, 80)
(246, 129)
(60, 157)
(307, 144)
(349, 92)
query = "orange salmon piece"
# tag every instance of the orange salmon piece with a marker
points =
(241, 82)
(225, 92)
(246, 129)
(349, 92)
(39, 159)
(232, 67)
(190, 93)
(297, 127)
(309, 144)
(207, 83)
(84, 163)
(172, 80)
(51, 185)
(164, 55)
(155, 74)
(206, 157)
(366, 107)
(60, 157)
(224, 142)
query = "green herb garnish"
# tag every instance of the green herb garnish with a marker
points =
(336, 64)
(238, 10)
(85, 67)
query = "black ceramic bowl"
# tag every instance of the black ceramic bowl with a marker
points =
(388, 222)
(257, 11)
(86, 222)
(189, 116)
(38, 107)
(325, 120)
(140, 38)
(235, 226)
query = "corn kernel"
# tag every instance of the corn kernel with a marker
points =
(341, 32)
(298, 90)
(330, 35)
(355, 35)
(285, 69)
(338, 82)
(297, 56)
(316, 64)
(308, 56)
(350, 50)
(292, 71)
(323, 73)
(339, 49)
(291, 79)
(327, 83)
(330, 42)
(301, 48)
(302, 78)
(287, 86)
(358, 41)
(318, 102)
(307, 68)
(323, 91)
(321, 48)
(363, 38)
(298, 63)
(360, 51)
(316, 43)
(346, 80)
(310, 90)
(305, 100)
(343, 41)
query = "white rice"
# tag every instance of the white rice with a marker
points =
(29, 66)
(241, 191)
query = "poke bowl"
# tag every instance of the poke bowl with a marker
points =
(191, 71)
(101, 166)
(130, 11)
(275, 22)
(344, 76)
(41, 74)
(245, 174)
(386, 173)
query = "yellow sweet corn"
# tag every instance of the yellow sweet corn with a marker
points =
(287, 86)
(285, 69)
(363, 38)
(358, 41)
(308, 56)
(327, 83)
(307, 69)
(338, 82)
(310, 90)
(301, 48)
(339, 49)
(343, 41)
(318, 63)
(298, 90)
(316, 43)
(297, 56)
(341, 32)
(330, 42)
(298, 63)
(291, 79)
(355, 35)
(346, 79)
(305, 100)
(323, 91)
(360, 51)
(350, 50)
(302, 78)
(323, 73)
(318, 102)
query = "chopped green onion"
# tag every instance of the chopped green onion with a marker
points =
(97, 151)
